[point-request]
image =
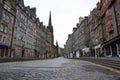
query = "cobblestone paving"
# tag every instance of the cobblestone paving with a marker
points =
(55, 69)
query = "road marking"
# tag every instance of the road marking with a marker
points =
(111, 69)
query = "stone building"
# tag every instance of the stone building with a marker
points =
(40, 47)
(68, 47)
(7, 20)
(99, 33)
(50, 47)
(24, 31)
(91, 25)
(79, 38)
(110, 13)
(22, 34)
(98, 36)
(77, 41)
(95, 31)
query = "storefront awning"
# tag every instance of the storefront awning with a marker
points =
(98, 46)
(4, 46)
(86, 49)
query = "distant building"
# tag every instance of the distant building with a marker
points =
(51, 50)
(98, 34)
(40, 45)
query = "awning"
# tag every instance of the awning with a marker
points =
(4, 46)
(98, 46)
(86, 49)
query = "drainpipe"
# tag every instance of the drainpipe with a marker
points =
(11, 43)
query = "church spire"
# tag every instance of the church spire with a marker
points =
(50, 27)
(50, 21)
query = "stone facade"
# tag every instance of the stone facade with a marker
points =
(7, 19)
(76, 40)
(24, 31)
(68, 46)
(40, 39)
(110, 13)
(51, 49)
(95, 30)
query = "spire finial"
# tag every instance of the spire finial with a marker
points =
(50, 21)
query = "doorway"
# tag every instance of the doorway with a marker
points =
(114, 50)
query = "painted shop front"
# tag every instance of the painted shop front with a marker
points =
(4, 50)
(112, 49)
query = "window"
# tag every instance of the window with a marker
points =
(4, 28)
(4, 39)
(1, 28)
(14, 40)
(7, 7)
(22, 26)
(5, 17)
(0, 38)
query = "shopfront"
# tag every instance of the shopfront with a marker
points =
(112, 49)
(4, 51)
(86, 52)
(98, 50)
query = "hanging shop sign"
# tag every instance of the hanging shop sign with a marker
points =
(109, 21)
(105, 5)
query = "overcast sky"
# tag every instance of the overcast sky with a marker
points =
(65, 14)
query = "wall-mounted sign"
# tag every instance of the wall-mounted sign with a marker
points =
(104, 6)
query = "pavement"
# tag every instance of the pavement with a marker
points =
(55, 69)
(106, 58)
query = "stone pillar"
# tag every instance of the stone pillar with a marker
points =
(110, 51)
(118, 52)
(95, 53)
(104, 52)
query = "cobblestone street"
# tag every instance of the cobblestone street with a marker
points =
(55, 69)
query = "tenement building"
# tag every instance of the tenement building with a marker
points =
(110, 13)
(7, 21)
(95, 32)
(22, 34)
(68, 46)
(24, 31)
